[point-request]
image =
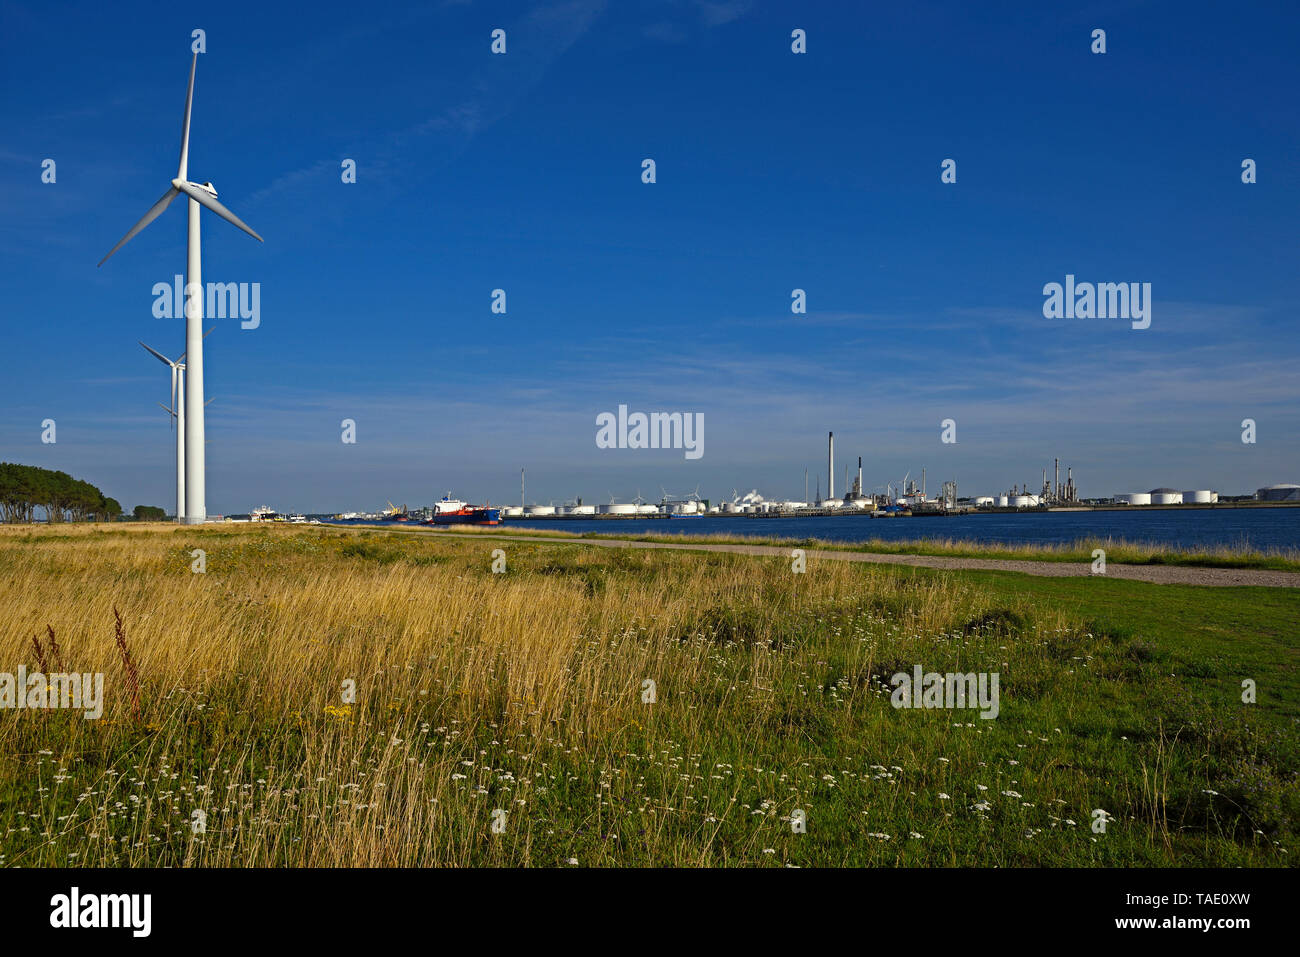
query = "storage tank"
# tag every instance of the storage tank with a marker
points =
(616, 508)
(539, 510)
(582, 510)
(829, 503)
(1133, 498)
(647, 509)
(1166, 496)
(1279, 493)
(512, 511)
(984, 501)
(1025, 501)
(1004, 501)
(1200, 497)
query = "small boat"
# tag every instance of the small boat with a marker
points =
(450, 511)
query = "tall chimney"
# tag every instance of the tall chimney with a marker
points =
(1057, 490)
(860, 492)
(830, 472)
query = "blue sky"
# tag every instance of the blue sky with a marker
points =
(775, 171)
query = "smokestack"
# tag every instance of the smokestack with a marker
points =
(1058, 478)
(830, 472)
(860, 492)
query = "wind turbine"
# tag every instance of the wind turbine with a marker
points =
(200, 194)
(177, 412)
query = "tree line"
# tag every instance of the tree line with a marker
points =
(25, 488)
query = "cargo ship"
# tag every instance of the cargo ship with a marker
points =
(450, 511)
(395, 513)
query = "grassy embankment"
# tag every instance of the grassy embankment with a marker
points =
(523, 692)
(1119, 551)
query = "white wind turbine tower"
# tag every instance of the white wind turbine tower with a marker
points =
(196, 510)
(177, 412)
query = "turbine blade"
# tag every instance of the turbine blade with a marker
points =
(209, 402)
(181, 357)
(207, 199)
(160, 357)
(183, 168)
(154, 212)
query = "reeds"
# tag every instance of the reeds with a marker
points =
(128, 665)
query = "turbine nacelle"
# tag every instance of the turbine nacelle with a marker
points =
(180, 184)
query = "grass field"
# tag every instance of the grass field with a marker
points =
(522, 693)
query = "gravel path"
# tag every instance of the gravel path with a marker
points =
(1158, 574)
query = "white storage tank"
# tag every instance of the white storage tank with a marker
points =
(984, 501)
(1133, 498)
(1025, 501)
(1166, 496)
(540, 510)
(616, 508)
(1200, 497)
(582, 510)
(647, 509)
(512, 511)
(1004, 501)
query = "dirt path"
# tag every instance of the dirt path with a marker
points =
(1158, 574)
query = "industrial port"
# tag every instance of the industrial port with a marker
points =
(905, 497)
